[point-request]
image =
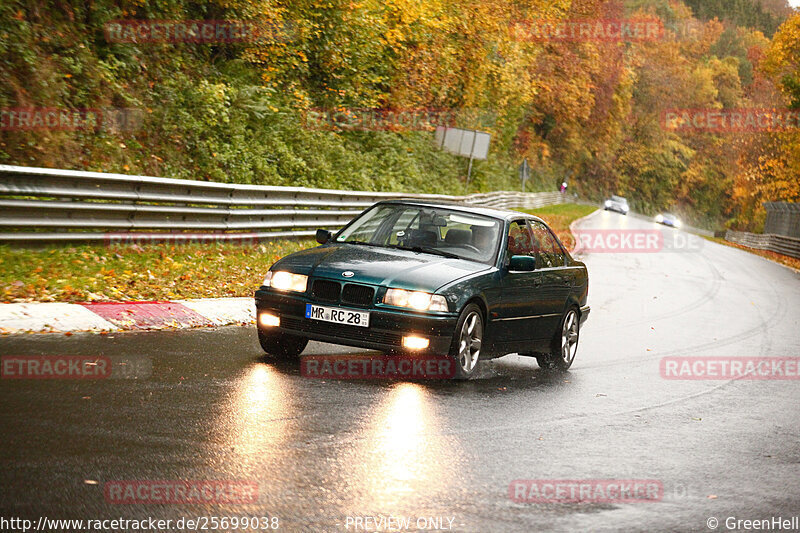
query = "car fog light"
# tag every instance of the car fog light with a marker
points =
(415, 343)
(268, 320)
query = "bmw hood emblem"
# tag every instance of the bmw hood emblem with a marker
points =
(348, 274)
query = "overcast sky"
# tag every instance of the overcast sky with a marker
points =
(795, 3)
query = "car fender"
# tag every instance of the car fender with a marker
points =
(474, 286)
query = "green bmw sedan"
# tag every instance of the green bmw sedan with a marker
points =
(437, 279)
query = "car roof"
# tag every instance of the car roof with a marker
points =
(503, 214)
(615, 197)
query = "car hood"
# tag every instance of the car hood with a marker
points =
(379, 266)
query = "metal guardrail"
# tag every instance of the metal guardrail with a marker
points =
(766, 241)
(42, 204)
(783, 218)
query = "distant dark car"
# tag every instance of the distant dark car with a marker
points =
(668, 220)
(437, 279)
(618, 204)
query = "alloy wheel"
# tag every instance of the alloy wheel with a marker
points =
(470, 339)
(569, 337)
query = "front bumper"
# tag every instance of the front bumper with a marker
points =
(385, 332)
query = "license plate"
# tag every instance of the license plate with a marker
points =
(337, 315)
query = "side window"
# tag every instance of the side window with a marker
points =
(519, 239)
(549, 252)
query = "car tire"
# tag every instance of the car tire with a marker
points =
(564, 345)
(282, 345)
(467, 342)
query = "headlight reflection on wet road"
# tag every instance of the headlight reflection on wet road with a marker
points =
(400, 440)
(401, 455)
(259, 416)
(383, 453)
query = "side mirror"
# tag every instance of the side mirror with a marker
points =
(323, 236)
(522, 263)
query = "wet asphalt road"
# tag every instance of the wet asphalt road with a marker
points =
(214, 408)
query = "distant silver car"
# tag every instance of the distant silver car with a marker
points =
(668, 220)
(618, 204)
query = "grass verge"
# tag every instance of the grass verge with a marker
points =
(159, 271)
(96, 272)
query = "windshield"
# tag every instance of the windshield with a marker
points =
(619, 199)
(426, 229)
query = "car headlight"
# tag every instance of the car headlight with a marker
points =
(421, 301)
(286, 281)
(678, 224)
(659, 219)
(625, 208)
(608, 203)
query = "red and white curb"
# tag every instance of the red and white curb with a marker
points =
(118, 316)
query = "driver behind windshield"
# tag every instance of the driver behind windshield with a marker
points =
(483, 237)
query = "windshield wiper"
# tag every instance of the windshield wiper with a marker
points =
(362, 243)
(434, 251)
(418, 249)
